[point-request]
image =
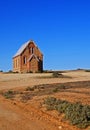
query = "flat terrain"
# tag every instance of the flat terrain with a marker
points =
(24, 109)
(8, 81)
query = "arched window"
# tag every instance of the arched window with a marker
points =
(32, 50)
(16, 63)
(24, 60)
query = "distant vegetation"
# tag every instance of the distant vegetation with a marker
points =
(1, 70)
(87, 70)
(52, 71)
(76, 113)
(9, 94)
(57, 74)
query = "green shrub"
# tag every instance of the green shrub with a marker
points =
(9, 94)
(55, 90)
(59, 87)
(62, 86)
(76, 113)
(56, 74)
(87, 70)
(50, 103)
(30, 89)
(62, 106)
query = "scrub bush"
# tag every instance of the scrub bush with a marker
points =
(76, 113)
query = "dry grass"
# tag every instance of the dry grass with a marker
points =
(9, 81)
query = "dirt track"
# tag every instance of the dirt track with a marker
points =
(15, 115)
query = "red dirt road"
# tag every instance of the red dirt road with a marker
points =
(13, 117)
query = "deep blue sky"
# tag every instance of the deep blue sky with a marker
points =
(60, 28)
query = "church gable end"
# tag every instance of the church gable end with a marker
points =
(28, 58)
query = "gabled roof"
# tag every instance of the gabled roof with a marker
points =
(33, 55)
(22, 48)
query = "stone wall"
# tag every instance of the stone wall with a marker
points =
(21, 63)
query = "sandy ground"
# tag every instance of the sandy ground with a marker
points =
(8, 81)
(15, 115)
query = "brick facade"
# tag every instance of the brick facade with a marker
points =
(28, 59)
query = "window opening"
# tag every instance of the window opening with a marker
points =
(24, 60)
